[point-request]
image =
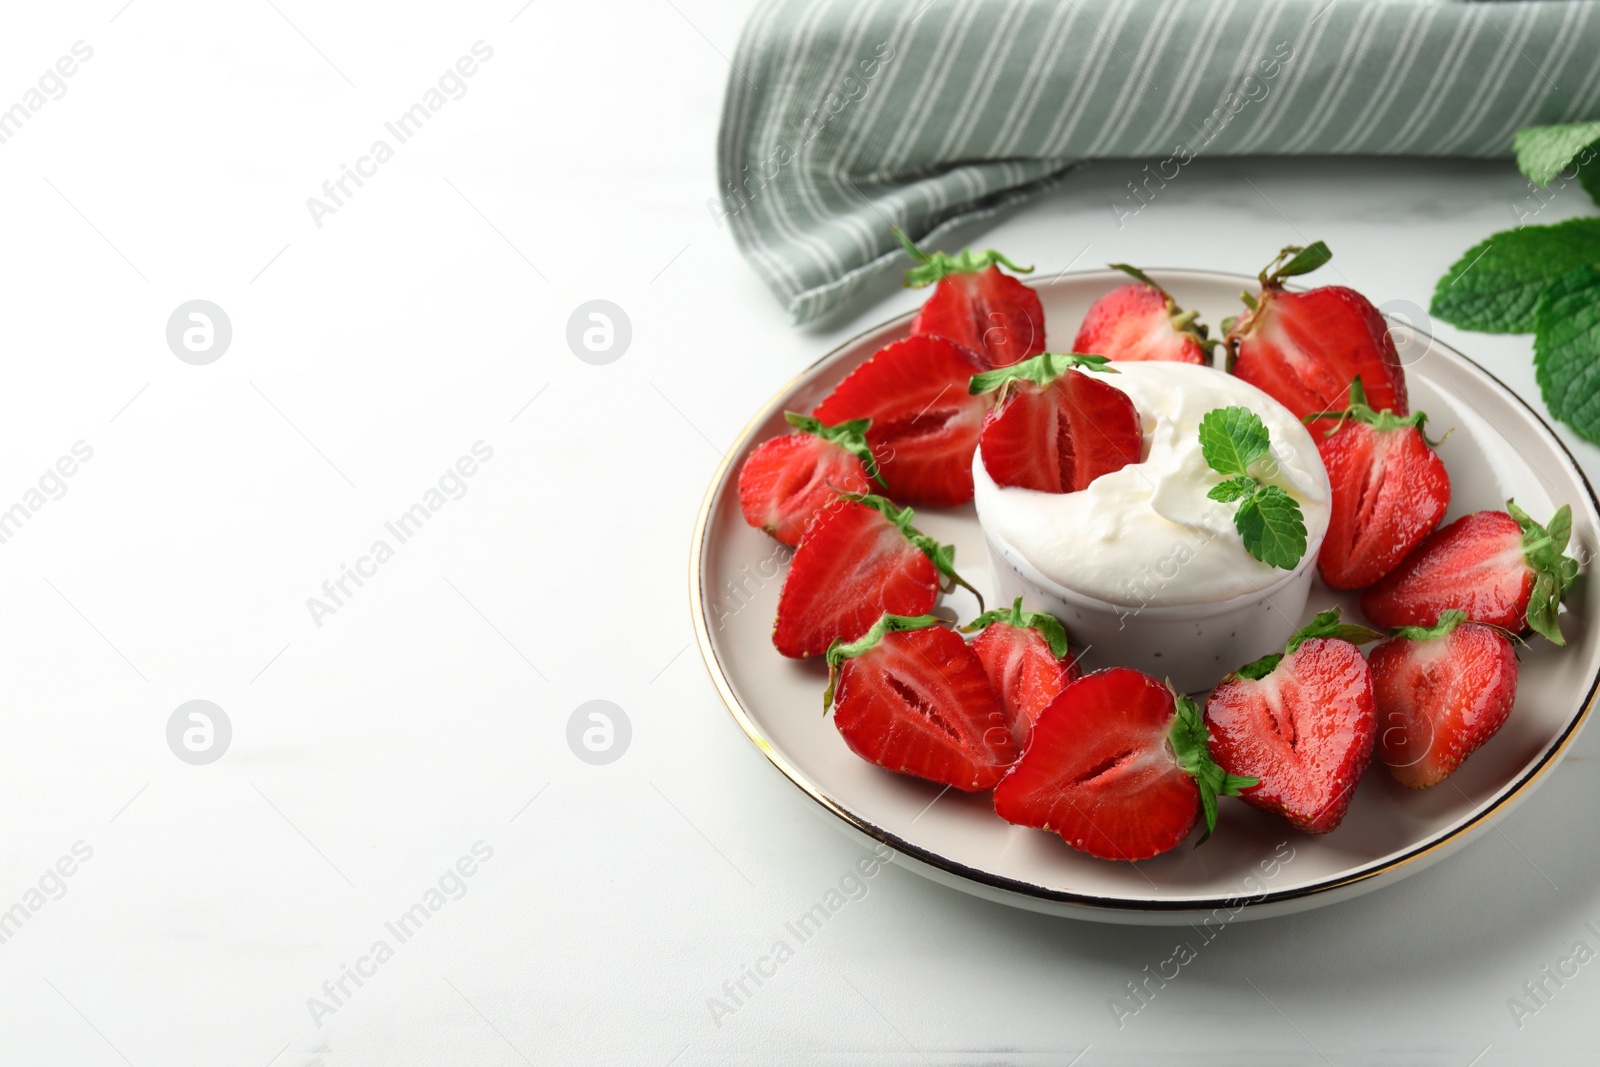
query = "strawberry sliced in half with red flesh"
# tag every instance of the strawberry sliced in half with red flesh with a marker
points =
(911, 696)
(1500, 567)
(1304, 349)
(787, 480)
(975, 305)
(924, 423)
(1118, 766)
(1302, 721)
(1390, 489)
(1140, 321)
(1056, 429)
(1442, 691)
(859, 559)
(1026, 657)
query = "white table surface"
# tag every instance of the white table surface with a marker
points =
(371, 752)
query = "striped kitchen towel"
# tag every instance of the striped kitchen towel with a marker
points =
(846, 117)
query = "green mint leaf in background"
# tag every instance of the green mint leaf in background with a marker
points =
(1566, 351)
(1545, 151)
(1232, 438)
(1236, 488)
(1272, 528)
(1496, 286)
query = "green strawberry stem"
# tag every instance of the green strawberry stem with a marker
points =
(1190, 744)
(935, 266)
(1448, 621)
(840, 650)
(1325, 624)
(850, 435)
(1358, 410)
(1544, 549)
(1048, 625)
(1293, 261)
(1041, 370)
(1185, 322)
(943, 556)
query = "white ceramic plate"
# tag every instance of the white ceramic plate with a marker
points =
(1254, 865)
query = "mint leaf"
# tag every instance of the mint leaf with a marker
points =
(1545, 151)
(1232, 438)
(1566, 351)
(1272, 527)
(1236, 488)
(1495, 287)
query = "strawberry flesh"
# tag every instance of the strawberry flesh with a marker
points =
(1389, 491)
(1023, 671)
(988, 312)
(1304, 350)
(1060, 437)
(1099, 771)
(1475, 563)
(852, 566)
(924, 424)
(918, 703)
(788, 479)
(1306, 730)
(1133, 322)
(1439, 699)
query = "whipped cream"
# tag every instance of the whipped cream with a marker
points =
(1147, 534)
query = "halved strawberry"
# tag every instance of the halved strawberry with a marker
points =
(1390, 489)
(1118, 766)
(859, 558)
(1056, 429)
(1302, 721)
(1500, 567)
(787, 480)
(975, 305)
(1025, 655)
(911, 696)
(1441, 691)
(1304, 349)
(924, 423)
(1141, 321)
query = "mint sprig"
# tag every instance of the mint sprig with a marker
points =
(935, 266)
(1268, 519)
(1543, 279)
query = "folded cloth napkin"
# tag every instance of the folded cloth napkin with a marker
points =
(846, 117)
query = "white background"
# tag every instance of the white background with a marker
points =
(369, 753)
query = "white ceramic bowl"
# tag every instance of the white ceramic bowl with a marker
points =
(1190, 645)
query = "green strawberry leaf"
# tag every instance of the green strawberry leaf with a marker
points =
(1544, 549)
(1048, 625)
(1236, 488)
(943, 556)
(1041, 370)
(935, 266)
(1324, 624)
(1448, 621)
(1566, 350)
(1233, 438)
(1545, 151)
(1495, 287)
(841, 650)
(1272, 527)
(1190, 744)
(1293, 261)
(850, 435)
